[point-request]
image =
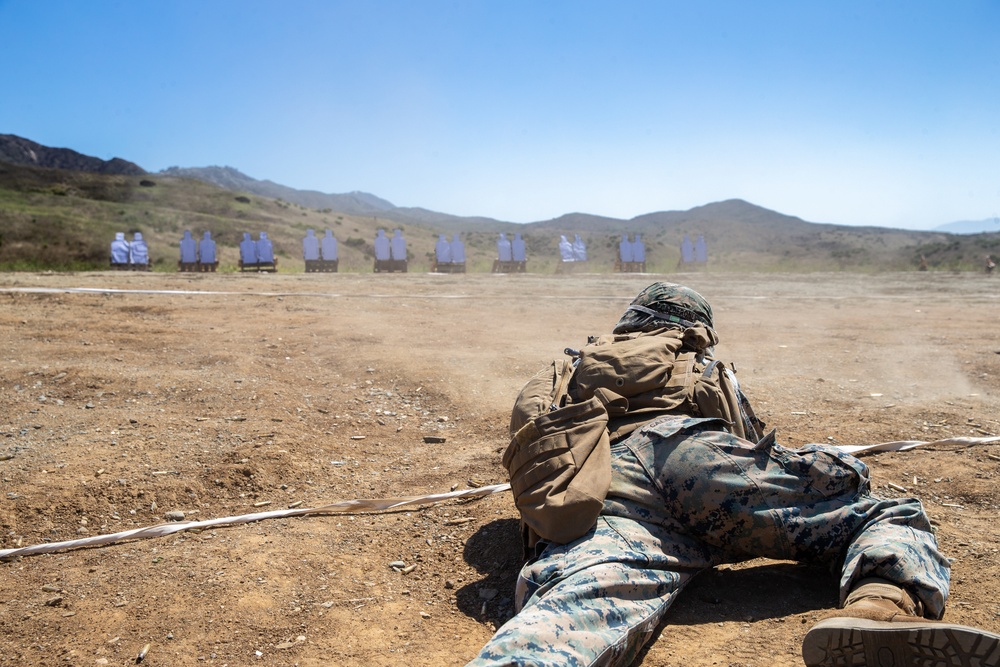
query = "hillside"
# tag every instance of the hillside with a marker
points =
(17, 150)
(56, 219)
(740, 234)
(355, 203)
(359, 203)
(64, 220)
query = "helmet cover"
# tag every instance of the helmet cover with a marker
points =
(665, 304)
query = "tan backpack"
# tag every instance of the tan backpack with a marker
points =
(559, 458)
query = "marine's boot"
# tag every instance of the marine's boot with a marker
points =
(880, 626)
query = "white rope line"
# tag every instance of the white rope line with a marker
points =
(332, 295)
(383, 504)
(554, 297)
(904, 445)
(163, 529)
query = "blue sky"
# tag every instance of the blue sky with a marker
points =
(851, 112)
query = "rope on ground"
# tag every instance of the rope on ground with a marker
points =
(384, 504)
(163, 529)
(904, 445)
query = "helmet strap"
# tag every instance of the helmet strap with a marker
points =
(657, 315)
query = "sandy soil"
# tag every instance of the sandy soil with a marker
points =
(222, 392)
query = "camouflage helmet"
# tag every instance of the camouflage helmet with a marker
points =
(665, 304)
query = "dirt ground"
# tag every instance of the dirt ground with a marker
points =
(140, 394)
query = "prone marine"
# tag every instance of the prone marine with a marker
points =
(639, 463)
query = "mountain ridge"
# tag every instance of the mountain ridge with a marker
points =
(18, 150)
(970, 226)
(230, 178)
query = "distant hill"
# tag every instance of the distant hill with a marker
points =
(357, 203)
(971, 226)
(17, 150)
(354, 203)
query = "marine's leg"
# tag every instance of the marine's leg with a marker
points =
(838, 522)
(892, 574)
(595, 601)
(812, 505)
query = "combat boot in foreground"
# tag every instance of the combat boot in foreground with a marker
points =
(880, 626)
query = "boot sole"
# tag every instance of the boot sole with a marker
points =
(858, 642)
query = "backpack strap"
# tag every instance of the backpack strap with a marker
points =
(562, 384)
(683, 375)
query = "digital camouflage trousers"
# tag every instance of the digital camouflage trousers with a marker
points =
(686, 496)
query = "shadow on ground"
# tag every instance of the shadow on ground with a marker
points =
(746, 593)
(494, 551)
(771, 590)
